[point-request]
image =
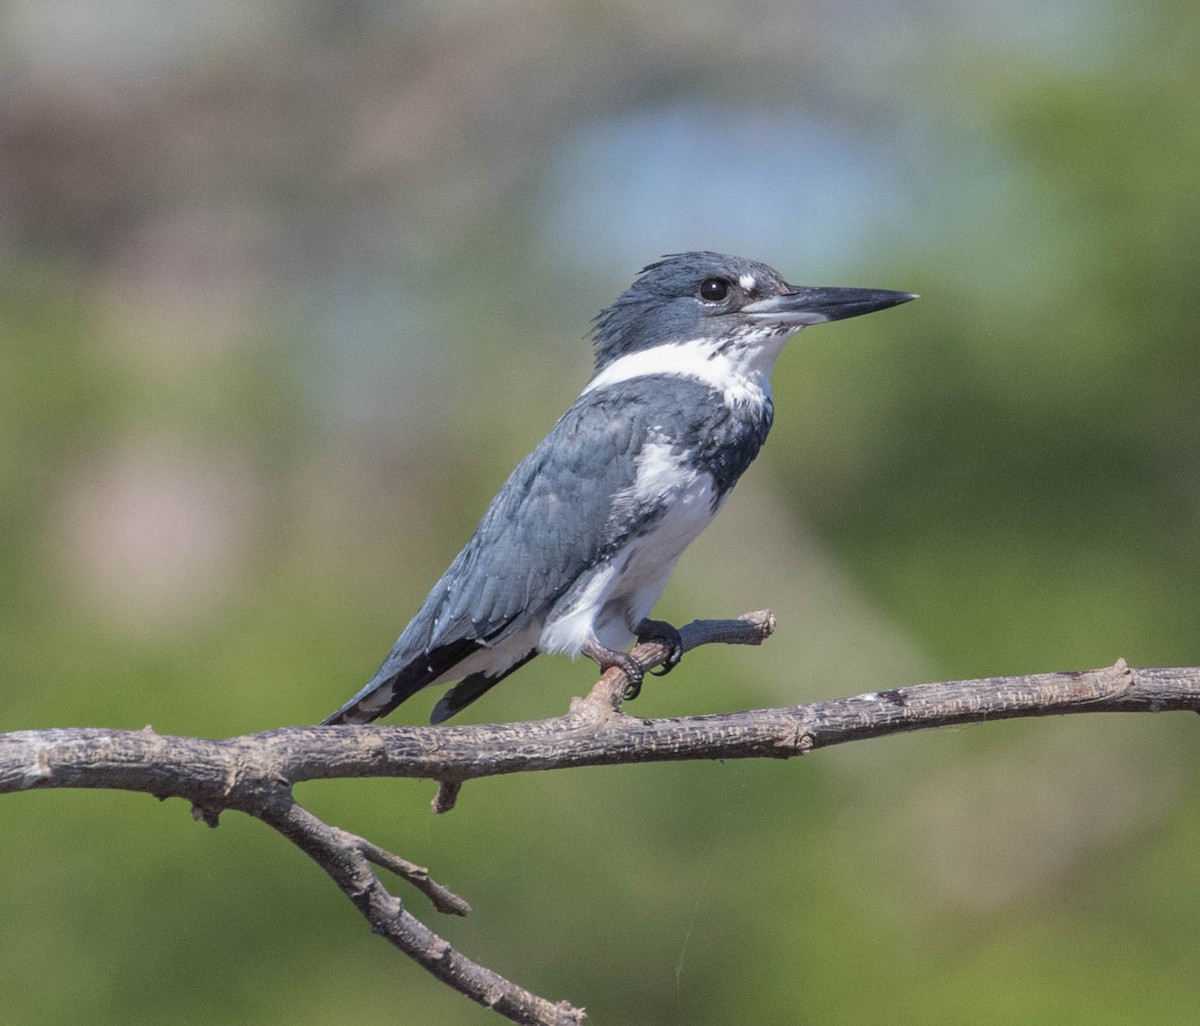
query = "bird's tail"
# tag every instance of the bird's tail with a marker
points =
(470, 688)
(393, 683)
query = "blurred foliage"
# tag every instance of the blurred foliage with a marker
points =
(285, 294)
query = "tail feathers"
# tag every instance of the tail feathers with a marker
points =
(389, 687)
(470, 688)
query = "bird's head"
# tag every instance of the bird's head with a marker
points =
(726, 300)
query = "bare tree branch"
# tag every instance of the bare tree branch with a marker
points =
(256, 774)
(347, 860)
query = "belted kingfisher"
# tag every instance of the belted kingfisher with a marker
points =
(576, 548)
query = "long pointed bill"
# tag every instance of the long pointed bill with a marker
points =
(814, 305)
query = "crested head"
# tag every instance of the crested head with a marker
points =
(723, 302)
(669, 302)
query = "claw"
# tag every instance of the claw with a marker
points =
(633, 688)
(609, 657)
(661, 631)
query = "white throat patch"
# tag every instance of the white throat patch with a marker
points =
(742, 373)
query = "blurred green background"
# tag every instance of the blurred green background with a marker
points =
(287, 289)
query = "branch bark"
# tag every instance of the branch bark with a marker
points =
(255, 774)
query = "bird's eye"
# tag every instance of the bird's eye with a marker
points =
(713, 290)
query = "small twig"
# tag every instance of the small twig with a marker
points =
(443, 899)
(748, 629)
(349, 866)
(447, 795)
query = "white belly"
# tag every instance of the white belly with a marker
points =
(620, 593)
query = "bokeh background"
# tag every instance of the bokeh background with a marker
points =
(287, 289)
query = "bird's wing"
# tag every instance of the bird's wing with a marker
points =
(549, 523)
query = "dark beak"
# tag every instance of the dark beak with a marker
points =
(816, 305)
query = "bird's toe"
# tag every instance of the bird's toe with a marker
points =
(667, 634)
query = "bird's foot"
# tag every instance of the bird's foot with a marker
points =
(661, 631)
(623, 661)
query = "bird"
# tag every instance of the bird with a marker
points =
(575, 549)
